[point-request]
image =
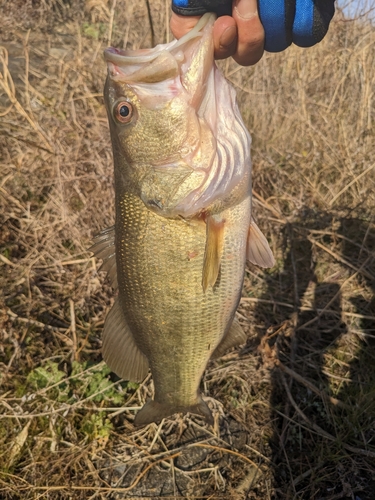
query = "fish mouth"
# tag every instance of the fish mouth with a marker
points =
(164, 61)
(144, 56)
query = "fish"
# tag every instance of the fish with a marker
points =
(183, 226)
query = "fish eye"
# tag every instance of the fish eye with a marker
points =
(123, 112)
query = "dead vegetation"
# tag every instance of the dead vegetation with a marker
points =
(295, 409)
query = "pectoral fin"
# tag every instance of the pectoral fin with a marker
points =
(234, 337)
(214, 250)
(258, 250)
(120, 352)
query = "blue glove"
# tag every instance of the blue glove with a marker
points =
(303, 22)
(200, 7)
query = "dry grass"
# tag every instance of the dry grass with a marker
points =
(295, 410)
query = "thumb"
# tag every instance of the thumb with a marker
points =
(180, 25)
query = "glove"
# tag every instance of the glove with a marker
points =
(303, 22)
(200, 7)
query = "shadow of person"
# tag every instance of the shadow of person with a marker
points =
(323, 375)
(357, 390)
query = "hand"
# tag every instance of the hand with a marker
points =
(240, 35)
(255, 26)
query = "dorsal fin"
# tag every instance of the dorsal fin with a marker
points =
(104, 248)
(258, 251)
(120, 351)
(213, 251)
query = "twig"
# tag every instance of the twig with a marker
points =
(26, 141)
(94, 487)
(350, 184)
(310, 385)
(255, 300)
(335, 297)
(67, 407)
(341, 259)
(15, 316)
(7, 261)
(268, 206)
(167, 10)
(319, 430)
(121, 410)
(336, 235)
(7, 84)
(111, 17)
(160, 426)
(151, 23)
(77, 261)
(259, 453)
(12, 199)
(306, 474)
(293, 337)
(73, 330)
(225, 450)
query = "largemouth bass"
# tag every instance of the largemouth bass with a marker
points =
(183, 227)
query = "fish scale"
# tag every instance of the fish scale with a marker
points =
(179, 318)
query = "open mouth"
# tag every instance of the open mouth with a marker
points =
(159, 63)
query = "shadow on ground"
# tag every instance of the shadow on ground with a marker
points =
(323, 381)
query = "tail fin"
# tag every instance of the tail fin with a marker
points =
(155, 412)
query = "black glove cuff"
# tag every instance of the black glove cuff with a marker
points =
(200, 7)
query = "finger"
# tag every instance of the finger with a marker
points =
(180, 25)
(250, 45)
(225, 37)
(224, 33)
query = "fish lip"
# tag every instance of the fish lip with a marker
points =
(141, 56)
(122, 56)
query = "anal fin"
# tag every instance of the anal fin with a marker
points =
(120, 351)
(234, 337)
(214, 250)
(258, 251)
(153, 411)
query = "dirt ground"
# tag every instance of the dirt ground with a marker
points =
(295, 407)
